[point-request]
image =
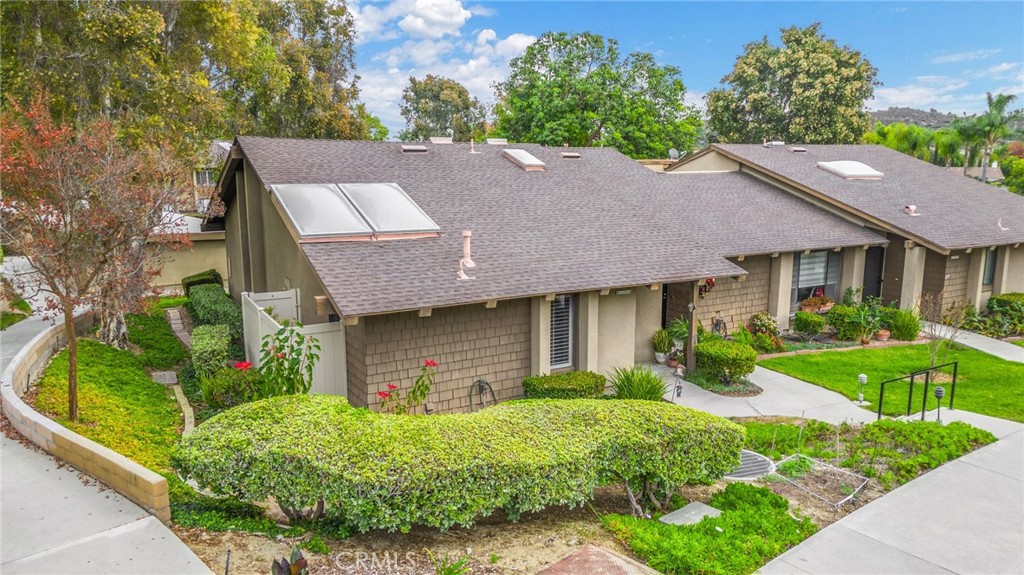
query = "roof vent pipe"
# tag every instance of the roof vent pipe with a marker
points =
(467, 260)
(911, 210)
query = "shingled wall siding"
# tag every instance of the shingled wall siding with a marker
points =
(934, 274)
(468, 342)
(956, 283)
(733, 300)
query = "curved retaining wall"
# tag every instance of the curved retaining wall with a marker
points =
(146, 488)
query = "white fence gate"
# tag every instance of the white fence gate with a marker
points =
(330, 373)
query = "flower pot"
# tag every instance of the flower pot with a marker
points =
(865, 341)
(808, 308)
(672, 362)
(660, 357)
(882, 335)
(826, 307)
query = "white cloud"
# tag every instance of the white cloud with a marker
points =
(416, 52)
(964, 56)
(943, 93)
(483, 11)
(695, 98)
(513, 45)
(435, 19)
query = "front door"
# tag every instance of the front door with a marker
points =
(873, 271)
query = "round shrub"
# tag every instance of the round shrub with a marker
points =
(808, 324)
(727, 360)
(764, 322)
(568, 385)
(843, 320)
(375, 471)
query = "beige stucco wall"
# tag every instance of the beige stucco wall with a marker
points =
(469, 342)
(208, 251)
(616, 345)
(710, 162)
(648, 321)
(1014, 281)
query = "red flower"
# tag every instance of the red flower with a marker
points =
(429, 363)
(383, 394)
(243, 365)
(280, 355)
(392, 386)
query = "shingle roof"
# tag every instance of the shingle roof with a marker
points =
(956, 212)
(598, 221)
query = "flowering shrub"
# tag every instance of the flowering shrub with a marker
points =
(287, 359)
(392, 401)
(764, 322)
(373, 471)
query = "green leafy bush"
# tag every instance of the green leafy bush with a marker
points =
(637, 382)
(211, 305)
(743, 335)
(161, 349)
(568, 385)
(679, 329)
(287, 359)
(231, 386)
(764, 322)
(210, 276)
(1006, 314)
(662, 341)
(844, 321)
(764, 343)
(375, 471)
(727, 360)
(808, 324)
(904, 325)
(754, 527)
(210, 348)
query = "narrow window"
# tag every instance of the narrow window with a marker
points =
(989, 277)
(563, 317)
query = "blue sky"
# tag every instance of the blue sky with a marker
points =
(942, 55)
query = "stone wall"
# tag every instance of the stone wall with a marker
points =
(145, 487)
(733, 300)
(468, 342)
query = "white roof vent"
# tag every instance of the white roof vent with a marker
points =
(414, 149)
(497, 141)
(523, 159)
(440, 139)
(851, 170)
(911, 210)
(571, 155)
(798, 150)
(774, 143)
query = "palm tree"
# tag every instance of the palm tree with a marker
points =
(994, 125)
(969, 133)
(947, 146)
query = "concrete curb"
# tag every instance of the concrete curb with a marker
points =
(143, 486)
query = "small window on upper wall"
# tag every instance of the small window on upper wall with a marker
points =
(989, 276)
(205, 178)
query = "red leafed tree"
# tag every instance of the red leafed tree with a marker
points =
(81, 205)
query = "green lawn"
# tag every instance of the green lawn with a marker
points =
(1019, 342)
(985, 384)
(20, 310)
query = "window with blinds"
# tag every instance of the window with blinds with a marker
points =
(816, 274)
(563, 312)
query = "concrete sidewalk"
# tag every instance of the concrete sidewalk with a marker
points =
(965, 517)
(56, 521)
(783, 395)
(998, 348)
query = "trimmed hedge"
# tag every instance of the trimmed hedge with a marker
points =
(375, 471)
(210, 348)
(724, 359)
(568, 385)
(808, 324)
(210, 276)
(211, 305)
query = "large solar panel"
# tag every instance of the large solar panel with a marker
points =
(320, 210)
(324, 210)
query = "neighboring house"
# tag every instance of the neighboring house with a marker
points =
(946, 233)
(206, 252)
(580, 254)
(205, 174)
(992, 175)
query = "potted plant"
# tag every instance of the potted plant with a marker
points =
(679, 330)
(882, 334)
(662, 342)
(869, 322)
(673, 360)
(817, 304)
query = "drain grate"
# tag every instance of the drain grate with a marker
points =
(752, 466)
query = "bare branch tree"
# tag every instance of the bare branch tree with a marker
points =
(942, 324)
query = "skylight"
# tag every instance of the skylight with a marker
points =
(355, 211)
(851, 170)
(523, 159)
(320, 210)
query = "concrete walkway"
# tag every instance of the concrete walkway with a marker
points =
(998, 348)
(783, 395)
(965, 517)
(56, 521)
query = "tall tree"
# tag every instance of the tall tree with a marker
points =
(80, 205)
(809, 90)
(578, 90)
(907, 138)
(971, 138)
(439, 106)
(994, 125)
